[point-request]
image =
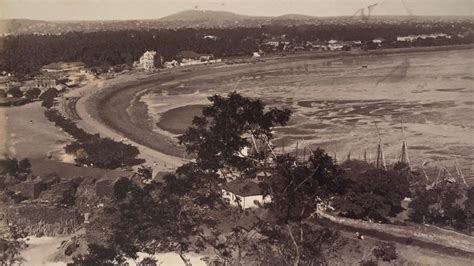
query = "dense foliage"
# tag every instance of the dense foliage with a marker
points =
(13, 170)
(385, 252)
(442, 205)
(11, 244)
(92, 149)
(296, 187)
(219, 135)
(48, 96)
(372, 193)
(25, 54)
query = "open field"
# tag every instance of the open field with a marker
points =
(335, 100)
(29, 134)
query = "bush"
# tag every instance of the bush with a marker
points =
(372, 193)
(103, 153)
(33, 93)
(368, 263)
(386, 252)
(48, 97)
(15, 92)
(440, 206)
(67, 125)
(92, 149)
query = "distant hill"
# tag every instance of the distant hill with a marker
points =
(294, 17)
(189, 19)
(16, 25)
(205, 15)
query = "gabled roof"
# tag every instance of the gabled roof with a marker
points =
(244, 188)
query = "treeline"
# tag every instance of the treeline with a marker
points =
(93, 150)
(25, 54)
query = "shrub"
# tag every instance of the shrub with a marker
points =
(386, 252)
(48, 97)
(33, 93)
(92, 149)
(372, 193)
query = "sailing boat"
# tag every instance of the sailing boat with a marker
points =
(404, 152)
(380, 161)
(459, 172)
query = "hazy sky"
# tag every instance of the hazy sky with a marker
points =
(150, 9)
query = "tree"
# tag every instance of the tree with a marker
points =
(218, 137)
(385, 252)
(469, 203)
(17, 170)
(372, 193)
(103, 152)
(48, 97)
(469, 209)
(33, 93)
(296, 189)
(11, 244)
(145, 174)
(98, 256)
(148, 261)
(439, 205)
(15, 92)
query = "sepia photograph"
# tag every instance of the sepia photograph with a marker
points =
(236, 132)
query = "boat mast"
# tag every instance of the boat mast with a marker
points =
(404, 153)
(380, 161)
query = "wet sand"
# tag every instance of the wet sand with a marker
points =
(335, 102)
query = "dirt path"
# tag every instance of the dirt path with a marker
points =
(455, 249)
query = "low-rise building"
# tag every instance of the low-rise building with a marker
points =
(318, 45)
(412, 38)
(245, 194)
(170, 64)
(379, 40)
(210, 37)
(192, 58)
(46, 81)
(275, 42)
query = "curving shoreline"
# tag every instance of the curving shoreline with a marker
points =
(119, 108)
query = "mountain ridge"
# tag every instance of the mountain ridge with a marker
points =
(186, 19)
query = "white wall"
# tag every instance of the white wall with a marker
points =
(245, 202)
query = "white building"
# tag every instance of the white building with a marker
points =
(378, 40)
(210, 37)
(244, 194)
(171, 64)
(189, 58)
(412, 38)
(148, 60)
